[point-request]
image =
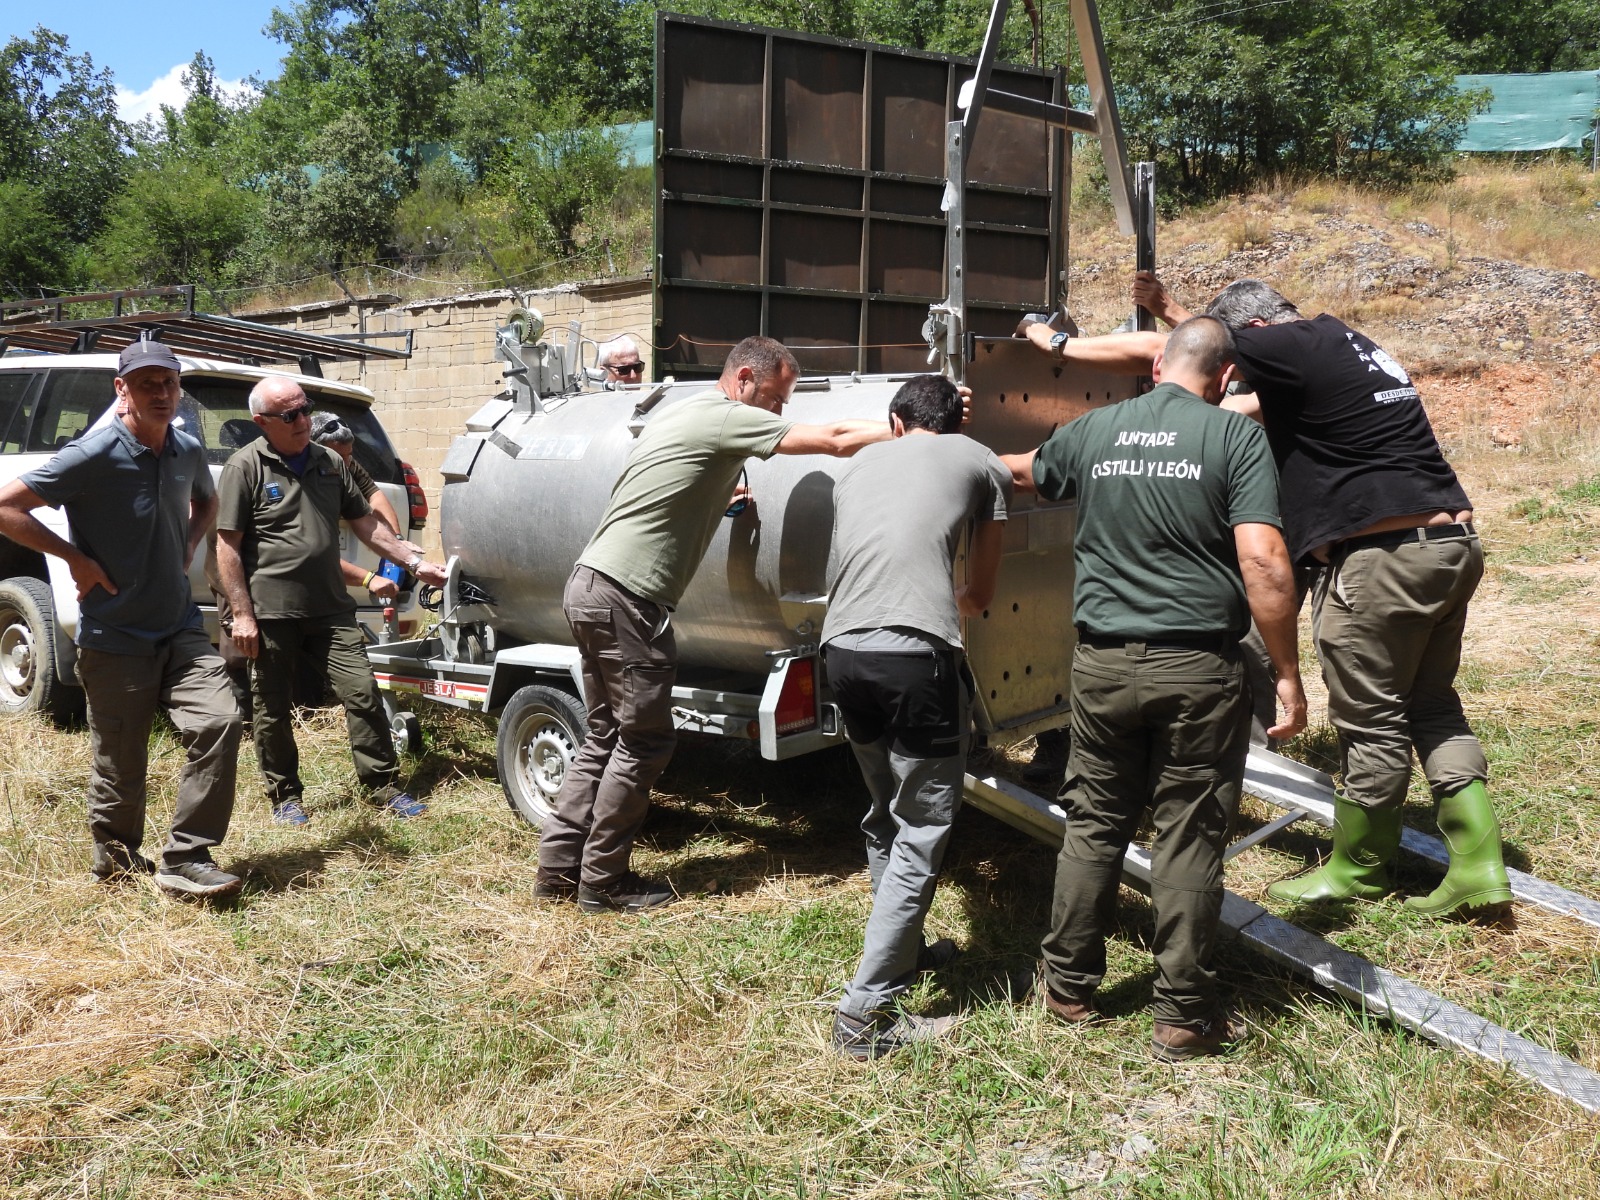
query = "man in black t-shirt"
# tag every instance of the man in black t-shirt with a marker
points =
(1366, 491)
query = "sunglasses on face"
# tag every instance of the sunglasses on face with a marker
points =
(633, 368)
(290, 416)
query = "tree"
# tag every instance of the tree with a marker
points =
(33, 245)
(179, 222)
(345, 204)
(1359, 88)
(59, 130)
(1554, 35)
(561, 175)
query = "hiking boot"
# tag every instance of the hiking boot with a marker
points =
(1049, 765)
(936, 956)
(1073, 1012)
(200, 879)
(402, 805)
(883, 1033)
(289, 812)
(629, 893)
(558, 886)
(1179, 1043)
(114, 861)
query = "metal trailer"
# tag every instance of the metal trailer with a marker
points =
(830, 194)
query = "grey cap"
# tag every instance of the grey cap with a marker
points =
(144, 353)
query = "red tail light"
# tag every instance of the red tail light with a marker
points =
(415, 496)
(797, 703)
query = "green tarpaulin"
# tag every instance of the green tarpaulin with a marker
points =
(1533, 112)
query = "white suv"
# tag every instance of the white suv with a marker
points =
(46, 400)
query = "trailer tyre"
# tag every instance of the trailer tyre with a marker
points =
(541, 729)
(28, 678)
(404, 727)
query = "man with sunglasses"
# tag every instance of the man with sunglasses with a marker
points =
(281, 500)
(620, 360)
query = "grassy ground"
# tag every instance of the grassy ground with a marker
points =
(387, 1013)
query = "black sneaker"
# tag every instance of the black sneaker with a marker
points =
(629, 893)
(884, 1033)
(114, 861)
(558, 886)
(201, 879)
(936, 956)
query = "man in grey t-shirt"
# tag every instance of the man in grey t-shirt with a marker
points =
(138, 499)
(893, 643)
(663, 515)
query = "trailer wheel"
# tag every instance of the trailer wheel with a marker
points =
(28, 679)
(404, 727)
(541, 729)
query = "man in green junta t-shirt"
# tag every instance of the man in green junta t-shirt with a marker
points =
(664, 511)
(1178, 545)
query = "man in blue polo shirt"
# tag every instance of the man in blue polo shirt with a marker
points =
(139, 498)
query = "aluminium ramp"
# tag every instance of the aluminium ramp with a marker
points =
(1349, 975)
(1305, 790)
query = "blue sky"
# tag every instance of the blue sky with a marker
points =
(147, 45)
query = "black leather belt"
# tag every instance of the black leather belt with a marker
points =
(1399, 537)
(1211, 643)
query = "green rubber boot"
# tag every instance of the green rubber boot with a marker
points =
(1477, 874)
(1364, 840)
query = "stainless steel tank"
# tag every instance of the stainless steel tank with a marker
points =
(523, 492)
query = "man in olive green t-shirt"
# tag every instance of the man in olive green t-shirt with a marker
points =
(663, 514)
(280, 502)
(1178, 544)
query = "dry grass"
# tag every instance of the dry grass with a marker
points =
(387, 1013)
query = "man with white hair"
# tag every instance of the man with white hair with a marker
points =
(280, 502)
(620, 360)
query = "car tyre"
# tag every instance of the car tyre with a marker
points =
(29, 682)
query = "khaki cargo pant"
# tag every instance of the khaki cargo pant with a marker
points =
(1388, 622)
(184, 678)
(336, 644)
(1168, 731)
(630, 662)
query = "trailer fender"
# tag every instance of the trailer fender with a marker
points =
(537, 662)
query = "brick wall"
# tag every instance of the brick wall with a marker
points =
(424, 401)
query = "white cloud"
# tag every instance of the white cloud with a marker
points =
(135, 106)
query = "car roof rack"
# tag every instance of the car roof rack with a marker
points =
(172, 319)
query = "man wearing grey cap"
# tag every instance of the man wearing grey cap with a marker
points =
(139, 498)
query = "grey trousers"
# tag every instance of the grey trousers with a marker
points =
(914, 775)
(630, 662)
(185, 679)
(1388, 622)
(336, 643)
(1167, 731)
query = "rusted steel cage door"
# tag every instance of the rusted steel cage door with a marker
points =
(799, 189)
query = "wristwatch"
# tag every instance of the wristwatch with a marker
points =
(1057, 341)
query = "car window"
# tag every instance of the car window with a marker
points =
(223, 419)
(16, 406)
(73, 400)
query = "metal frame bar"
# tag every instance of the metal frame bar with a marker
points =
(1348, 975)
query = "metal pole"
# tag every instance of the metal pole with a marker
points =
(1144, 216)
